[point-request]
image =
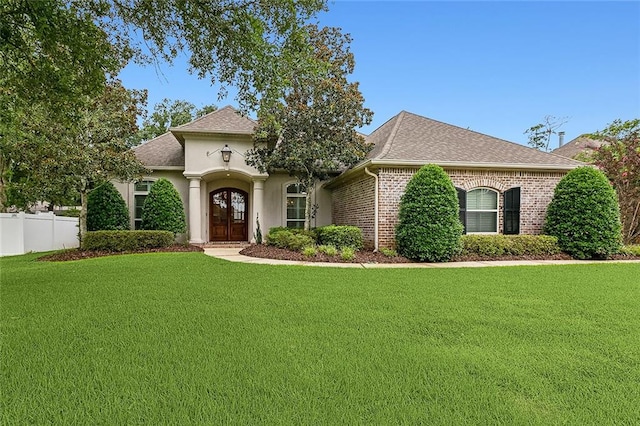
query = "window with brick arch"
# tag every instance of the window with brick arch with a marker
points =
(482, 211)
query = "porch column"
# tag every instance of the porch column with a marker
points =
(195, 228)
(258, 202)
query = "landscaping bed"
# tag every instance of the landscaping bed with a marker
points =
(78, 254)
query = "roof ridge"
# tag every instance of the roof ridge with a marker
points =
(152, 139)
(389, 142)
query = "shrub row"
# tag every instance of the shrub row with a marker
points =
(332, 235)
(126, 240)
(509, 245)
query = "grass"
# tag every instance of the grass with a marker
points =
(181, 338)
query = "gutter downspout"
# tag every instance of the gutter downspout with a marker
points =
(375, 210)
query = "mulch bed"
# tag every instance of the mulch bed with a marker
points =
(77, 254)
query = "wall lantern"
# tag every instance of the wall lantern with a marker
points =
(226, 153)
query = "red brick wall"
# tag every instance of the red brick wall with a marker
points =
(353, 202)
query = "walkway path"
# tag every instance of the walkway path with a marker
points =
(233, 255)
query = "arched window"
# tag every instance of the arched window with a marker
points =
(295, 205)
(140, 192)
(482, 211)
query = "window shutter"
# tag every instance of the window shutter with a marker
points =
(512, 211)
(462, 206)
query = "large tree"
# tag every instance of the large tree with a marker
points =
(311, 132)
(55, 55)
(97, 148)
(168, 114)
(619, 159)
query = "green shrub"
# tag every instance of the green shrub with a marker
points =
(287, 239)
(163, 209)
(631, 250)
(584, 215)
(513, 245)
(328, 250)
(340, 236)
(388, 252)
(309, 251)
(106, 209)
(347, 253)
(126, 240)
(68, 213)
(429, 227)
(311, 232)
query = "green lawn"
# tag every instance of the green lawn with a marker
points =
(181, 338)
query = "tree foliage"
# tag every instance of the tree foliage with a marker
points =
(163, 209)
(584, 215)
(619, 159)
(540, 134)
(311, 132)
(106, 209)
(168, 114)
(429, 227)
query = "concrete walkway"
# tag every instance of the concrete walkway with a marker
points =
(233, 255)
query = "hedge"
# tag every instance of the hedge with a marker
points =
(429, 227)
(509, 245)
(340, 236)
(289, 239)
(584, 215)
(126, 240)
(163, 209)
(106, 209)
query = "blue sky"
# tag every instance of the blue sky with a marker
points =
(494, 67)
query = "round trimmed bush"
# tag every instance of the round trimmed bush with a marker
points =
(163, 209)
(584, 215)
(429, 227)
(106, 209)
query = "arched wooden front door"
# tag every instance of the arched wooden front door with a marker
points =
(228, 208)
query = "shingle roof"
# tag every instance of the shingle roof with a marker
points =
(164, 150)
(580, 144)
(225, 120)
(410, 137)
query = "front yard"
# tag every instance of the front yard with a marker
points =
(181, 338)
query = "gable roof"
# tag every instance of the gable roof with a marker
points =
(576, 146)
(227, 120)
(161, 151)
(411, 137)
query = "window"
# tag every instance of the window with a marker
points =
(482, 211)
(295, 205)
(140, 192)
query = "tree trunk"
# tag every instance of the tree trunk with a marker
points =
(307, 207)
(4, 167)
(83, 215)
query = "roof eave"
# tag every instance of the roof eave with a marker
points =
(377, 163)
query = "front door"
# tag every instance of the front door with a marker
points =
(228, 215)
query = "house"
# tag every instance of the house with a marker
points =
(581, 146)
(503, 187)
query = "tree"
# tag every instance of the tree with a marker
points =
(97, 148)
(619, 159)
(429, 227)
(311, 132)
(52, 59)
(168, 114)
(163, 209)
(106, 209)
(540, 134)
(584, 215)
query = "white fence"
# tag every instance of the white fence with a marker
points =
(22, 233)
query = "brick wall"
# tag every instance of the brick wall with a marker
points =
(352, 203)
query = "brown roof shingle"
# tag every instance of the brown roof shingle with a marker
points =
(163, 151)
(225, 120)
(410, 137)
(576, 146)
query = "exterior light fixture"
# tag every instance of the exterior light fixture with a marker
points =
(226, 153)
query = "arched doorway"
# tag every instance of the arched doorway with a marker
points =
(228, 208)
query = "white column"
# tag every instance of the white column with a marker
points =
(258, 203)
(195, 228)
